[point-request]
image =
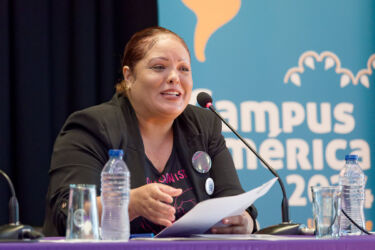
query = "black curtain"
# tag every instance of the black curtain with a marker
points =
(56, 57)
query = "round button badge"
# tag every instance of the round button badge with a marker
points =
(201, 162)
(210, 186)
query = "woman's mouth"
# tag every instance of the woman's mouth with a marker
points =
(171, 93)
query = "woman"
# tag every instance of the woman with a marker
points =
(150, 119)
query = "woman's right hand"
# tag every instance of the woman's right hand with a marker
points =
(152, 201)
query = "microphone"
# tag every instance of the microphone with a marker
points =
(286, 227)
(14, 231)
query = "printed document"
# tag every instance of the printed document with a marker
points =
(210, 212)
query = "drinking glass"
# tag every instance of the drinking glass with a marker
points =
(82, 222)
(326, 209)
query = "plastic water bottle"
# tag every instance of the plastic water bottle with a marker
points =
(115, 198)
(352, 180)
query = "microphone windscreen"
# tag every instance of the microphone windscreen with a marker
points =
(203, 99)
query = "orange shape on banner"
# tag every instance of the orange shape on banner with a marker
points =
(369, 225)
(211, 15)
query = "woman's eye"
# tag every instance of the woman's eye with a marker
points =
(158, 67)
(185, 69)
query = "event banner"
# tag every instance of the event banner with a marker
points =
(296, 80)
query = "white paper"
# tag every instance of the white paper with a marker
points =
(210, 212)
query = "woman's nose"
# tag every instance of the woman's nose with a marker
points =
(173, 77)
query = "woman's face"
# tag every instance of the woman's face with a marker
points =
(161, 83)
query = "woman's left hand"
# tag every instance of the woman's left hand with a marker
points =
(239, 224)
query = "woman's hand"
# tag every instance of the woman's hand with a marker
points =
(152, 201)
(240, 224)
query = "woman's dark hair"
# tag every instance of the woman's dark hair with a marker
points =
(137, 47)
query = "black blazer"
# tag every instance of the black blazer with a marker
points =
(81, 151)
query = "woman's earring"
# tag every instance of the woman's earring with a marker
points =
(127, 85)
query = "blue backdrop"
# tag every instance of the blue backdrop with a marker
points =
(293, 77)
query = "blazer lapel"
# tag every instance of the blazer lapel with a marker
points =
(187, 143)
(133, 148)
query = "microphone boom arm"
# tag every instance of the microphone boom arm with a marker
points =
(15, 231)
(284, 204)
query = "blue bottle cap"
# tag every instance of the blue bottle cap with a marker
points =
(116, 153)
(351, 157)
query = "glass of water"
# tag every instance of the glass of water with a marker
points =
(82, 222)
(327, 209)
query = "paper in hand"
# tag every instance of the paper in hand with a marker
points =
(209, 212)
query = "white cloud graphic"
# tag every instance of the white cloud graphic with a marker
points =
(330, 59)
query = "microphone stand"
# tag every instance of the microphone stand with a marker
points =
(286, 227)
(14, 231)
